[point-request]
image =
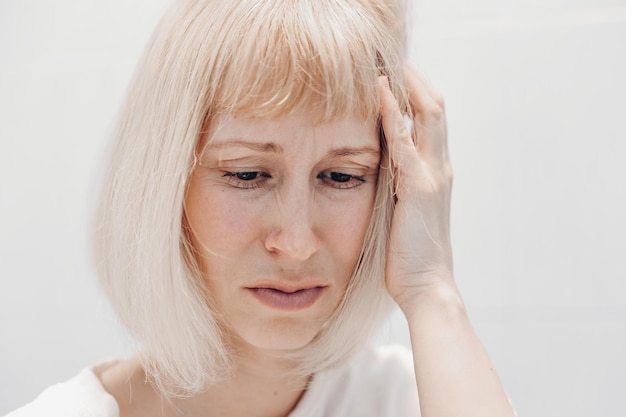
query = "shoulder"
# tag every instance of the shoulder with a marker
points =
(127, 383)
(81, 396)
(389, 367)
(385, 372)
(378, 381)
(386, 359)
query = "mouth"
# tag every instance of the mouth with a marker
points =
(287, 298)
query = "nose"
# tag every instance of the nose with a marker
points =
(292, 234)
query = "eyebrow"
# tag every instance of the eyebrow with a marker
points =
(272, 147)
(255, 146)
(352, 151)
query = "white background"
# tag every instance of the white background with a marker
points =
(536, 100)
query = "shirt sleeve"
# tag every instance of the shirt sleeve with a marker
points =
(81, 396)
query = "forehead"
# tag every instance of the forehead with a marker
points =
(292, 133)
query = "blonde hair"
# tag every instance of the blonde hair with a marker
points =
(257, 59)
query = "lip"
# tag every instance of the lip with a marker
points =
(286, 297)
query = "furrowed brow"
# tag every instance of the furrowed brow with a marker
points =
(350, 151)
(255, 146)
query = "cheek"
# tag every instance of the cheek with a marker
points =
(346, 228)
(220, 226)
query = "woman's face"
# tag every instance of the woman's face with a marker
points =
(278, 210)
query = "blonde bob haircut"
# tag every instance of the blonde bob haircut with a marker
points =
(244, 58)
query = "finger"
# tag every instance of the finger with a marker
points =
(430, 117)
(400, 144)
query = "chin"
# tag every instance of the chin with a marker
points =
(280, 334)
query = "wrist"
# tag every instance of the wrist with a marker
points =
(443, 298)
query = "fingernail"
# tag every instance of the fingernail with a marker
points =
(408, 122)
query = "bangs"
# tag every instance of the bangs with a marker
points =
(248, 59)
(323, 60)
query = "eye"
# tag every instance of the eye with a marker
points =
(245, 176)
(341, 180)
(246, 179)
(339, 177)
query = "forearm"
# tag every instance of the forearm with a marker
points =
(454, 374)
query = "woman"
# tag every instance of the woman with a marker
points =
(278, 172)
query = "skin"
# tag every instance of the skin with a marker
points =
(255, 229)
(454, 374)
(289, 205)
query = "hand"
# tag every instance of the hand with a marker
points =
(419, 260)
(453, 372)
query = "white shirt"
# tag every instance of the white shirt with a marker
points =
(377, 382)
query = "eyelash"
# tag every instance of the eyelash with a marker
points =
(351, 181)
(254, 179)
(238, 179)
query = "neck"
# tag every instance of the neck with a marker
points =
(261, 384)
